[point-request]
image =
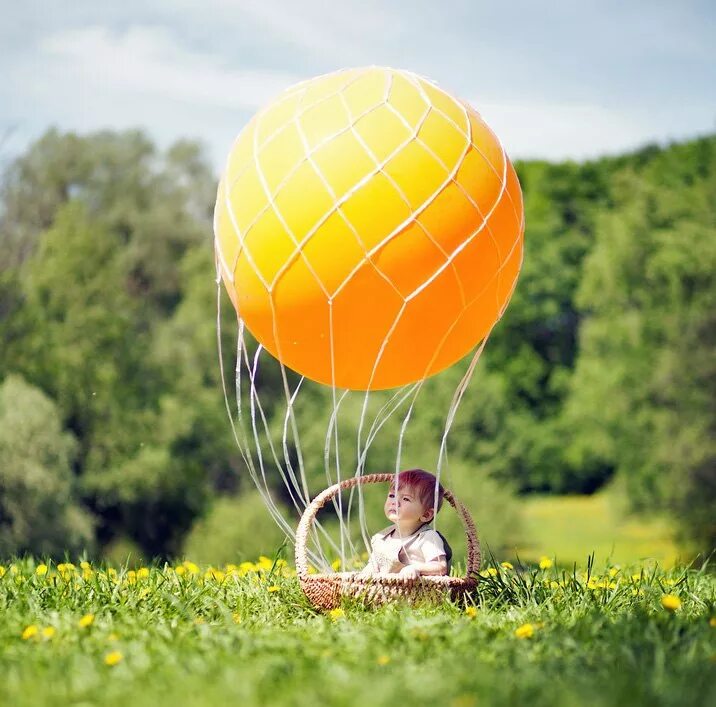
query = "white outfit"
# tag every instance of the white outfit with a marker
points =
(390, 552)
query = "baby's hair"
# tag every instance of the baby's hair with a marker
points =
(422, 483)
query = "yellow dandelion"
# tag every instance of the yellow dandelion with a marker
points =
(265, 563)
(525, 631)
(471, 612)
(2, 571)
(181, 570)
(274, 588)
(506, 565)
(86, 620)
(236, 616)
(111, 572)
(87, 574)
(113, 658)
(554, 585)
(670, 602)
(48, 632)
(143, 573)
(636, 577)
(336, 614)
(41, 570)
(191, 568)
(246, 567)
(30, 632)
(545, 563)
(613, 572)
(85, 565)
(336, 565)
(383, 660)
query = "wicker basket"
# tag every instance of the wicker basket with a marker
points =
(325, 591)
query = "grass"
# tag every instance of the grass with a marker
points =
(190, 636)
(574, 526)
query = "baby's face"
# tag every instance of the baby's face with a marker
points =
(405, 506)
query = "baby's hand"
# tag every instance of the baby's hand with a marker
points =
(410, 572)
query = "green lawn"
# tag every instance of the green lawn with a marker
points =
(572, 527)
(188, 636)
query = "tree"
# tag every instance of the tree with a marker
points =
(642, 396)
(39, 508)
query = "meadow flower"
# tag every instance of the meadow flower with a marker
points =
(274, 588)
(41, 570)
(191, 568)
(264, 563)
(2, 571)
(143, 573)
(236, 616)
(48, 632)
(131, 577)
(336, 565)
(471, 612)
(113, 658)
(506, 565)
(525, 631)
(215, 574)
(613, 572)
(545, 563)
(29, 632)
(383, 660)
(86, 620)
(336, 614)
(180, 571)
(85, 565)
(489, 572)
(246, 567)
(670, 602)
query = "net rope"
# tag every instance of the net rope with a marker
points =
(253, 433)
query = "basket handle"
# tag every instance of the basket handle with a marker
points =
(309, 515)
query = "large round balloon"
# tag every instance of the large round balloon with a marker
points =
(369, 228)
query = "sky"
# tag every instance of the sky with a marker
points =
(554, 80)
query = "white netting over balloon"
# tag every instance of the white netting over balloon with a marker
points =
(369, 232)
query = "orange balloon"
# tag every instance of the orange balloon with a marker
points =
(369, 228)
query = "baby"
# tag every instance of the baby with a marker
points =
(410, 547)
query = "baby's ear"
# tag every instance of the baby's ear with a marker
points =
(427, 515)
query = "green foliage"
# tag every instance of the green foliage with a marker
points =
(39, 509)
(601, 366)
(642, 395)
(236, 528)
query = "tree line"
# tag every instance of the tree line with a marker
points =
(112, 421)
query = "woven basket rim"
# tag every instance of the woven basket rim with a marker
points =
(473, 545)
(386, 580)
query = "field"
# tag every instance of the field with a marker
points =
(572, 527)
(189, 635)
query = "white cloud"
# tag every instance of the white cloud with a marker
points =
(569, 131)
(148, 60)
